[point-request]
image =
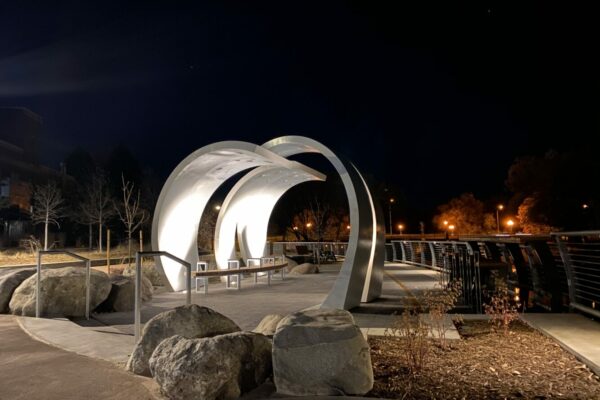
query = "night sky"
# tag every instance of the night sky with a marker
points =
(436, 100)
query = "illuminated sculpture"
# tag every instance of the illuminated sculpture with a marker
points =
(248, 206)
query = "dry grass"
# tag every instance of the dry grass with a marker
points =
(484, 365)
(11, 257)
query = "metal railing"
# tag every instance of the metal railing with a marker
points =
(338, 249)
(138, 284)
(39, 278)
(580, 253)
(454, 260)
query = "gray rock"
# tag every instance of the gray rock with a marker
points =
(8, 284)
(321, 353)
(221, 367)
(62, 293)
(268, 324)
(303, 269)
(191, 321)
(149, 271)
(291, 264)
(122, 293)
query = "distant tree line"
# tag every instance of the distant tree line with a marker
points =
(115, 195)
(544, 193)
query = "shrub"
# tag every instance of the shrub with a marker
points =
(414, 335)
(439, 303)
(501, 308)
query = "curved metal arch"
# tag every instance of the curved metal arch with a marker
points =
(248, 207)
(361, 274)
(192, 183)
(186, 192)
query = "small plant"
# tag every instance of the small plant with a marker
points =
(439, 303)
(413, 332)
(501, 309)
(33, 244)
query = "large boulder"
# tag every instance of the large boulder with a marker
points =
(8, 284)
(221, 367)
(149, 271)
(62, 292)
(122, 293)
(268, 324)
(303, 269)
(291, 263)
(191, 321)
(321, 352)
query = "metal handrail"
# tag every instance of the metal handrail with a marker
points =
(39, 279)
(138, 284)
(576, 278)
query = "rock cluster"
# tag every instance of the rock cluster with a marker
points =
(315, 352)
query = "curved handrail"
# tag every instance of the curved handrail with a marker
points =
(138, 284)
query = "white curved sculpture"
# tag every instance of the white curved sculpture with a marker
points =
(248, 207)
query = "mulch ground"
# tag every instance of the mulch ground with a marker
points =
(484, 365)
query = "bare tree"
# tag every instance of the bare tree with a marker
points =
(96, 207)
(320, 214)
(130, 212)
(47, 207)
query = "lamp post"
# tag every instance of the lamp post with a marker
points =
(391, 201)
(498, 209)
(510, 224)
(400, 227)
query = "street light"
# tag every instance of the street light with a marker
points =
(451, 227)
(510, 224)
(392, 200)
(217, 207)
(400, 227)
(498, 209)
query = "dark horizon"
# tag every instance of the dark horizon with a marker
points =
(434, 100)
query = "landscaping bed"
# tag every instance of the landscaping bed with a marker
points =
(483, 365)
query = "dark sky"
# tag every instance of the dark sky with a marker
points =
(436, 99)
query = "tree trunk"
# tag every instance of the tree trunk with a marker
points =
(90, 236)
(46, 233)
(100, 237)
(128, 250)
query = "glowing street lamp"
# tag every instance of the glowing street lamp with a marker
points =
(217, 207)
(510, 224)
(400, 227)
(451, 228)
(309, 224)
(585, 206)
(498, 209)
(391, 201)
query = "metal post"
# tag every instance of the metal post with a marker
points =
(188, 297)
(37, 285)
(88, 265)
(138, 300)
(566, 258)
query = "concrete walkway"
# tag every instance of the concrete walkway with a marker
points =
(575, 333)
(109, 337)
(33, 370)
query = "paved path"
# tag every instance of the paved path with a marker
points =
(33, 370)
(575, 333)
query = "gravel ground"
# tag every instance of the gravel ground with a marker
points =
(523, 364)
